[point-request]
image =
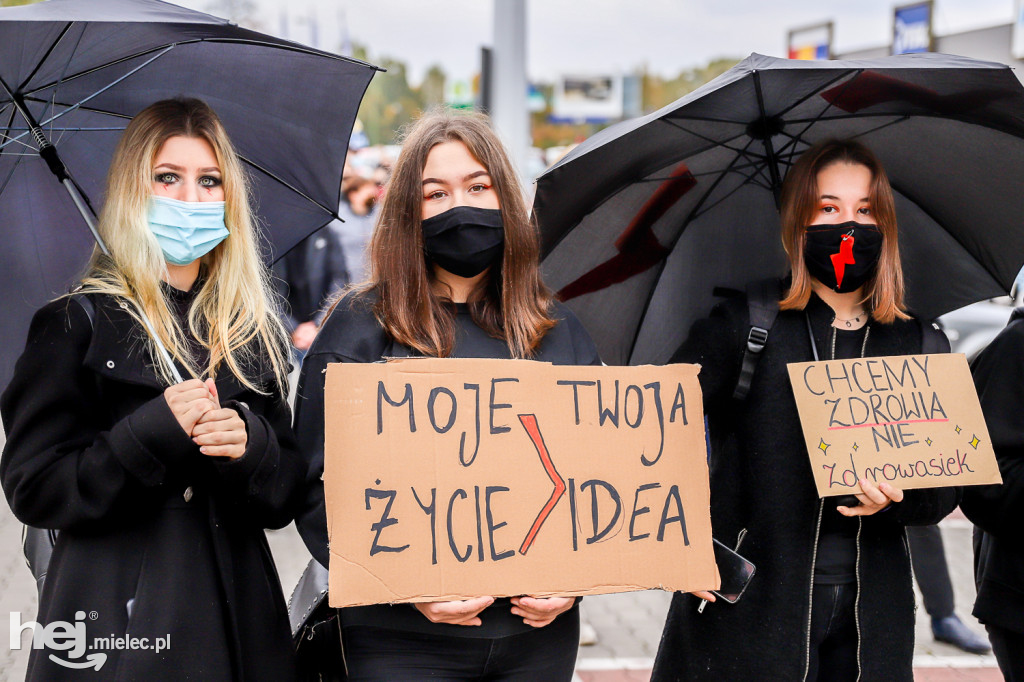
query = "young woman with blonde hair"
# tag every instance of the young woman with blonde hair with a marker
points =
(832, 598)
(454, 273)
(161, 490)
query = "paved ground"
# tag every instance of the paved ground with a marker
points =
(628, 626)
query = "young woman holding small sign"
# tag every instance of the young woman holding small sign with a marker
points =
(832, 598)
(454, 273)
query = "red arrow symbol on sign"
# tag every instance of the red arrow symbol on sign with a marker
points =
(529, 423)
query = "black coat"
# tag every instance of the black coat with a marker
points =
(997, 510)
(761, 481)
(155, 538)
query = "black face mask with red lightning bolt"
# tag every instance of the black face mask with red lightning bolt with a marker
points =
(842, 257)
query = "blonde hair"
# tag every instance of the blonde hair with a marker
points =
(514, 304)
(233, 314)
(884, 291)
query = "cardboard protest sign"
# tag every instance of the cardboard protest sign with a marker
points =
(912, 420)
(456, 478)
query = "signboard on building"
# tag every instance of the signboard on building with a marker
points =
(912, 28)
(587, 99)
(811, 42)
(1017, 46)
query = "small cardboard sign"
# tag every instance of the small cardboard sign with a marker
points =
(913, 421)
(456, 478)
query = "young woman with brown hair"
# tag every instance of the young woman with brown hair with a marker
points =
(454, 273)
(832, 598)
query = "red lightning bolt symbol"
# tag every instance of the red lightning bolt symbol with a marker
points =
(843, 258)
(529, 423)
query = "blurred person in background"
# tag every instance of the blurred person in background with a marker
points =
(359, 197)
(310, 275)
(928, 556)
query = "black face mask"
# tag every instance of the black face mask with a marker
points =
(842, 257)
(464, 240)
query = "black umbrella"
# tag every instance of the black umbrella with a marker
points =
(643, 220)
(72, 73)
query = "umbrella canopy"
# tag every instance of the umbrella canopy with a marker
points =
(642, 221)
(81, 70)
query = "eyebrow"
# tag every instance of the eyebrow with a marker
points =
(829, 196)
(474, 174)
(210, 169)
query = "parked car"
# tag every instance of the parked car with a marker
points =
(973, 327)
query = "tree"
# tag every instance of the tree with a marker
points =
(391, 103)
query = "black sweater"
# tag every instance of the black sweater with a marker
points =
(761, 481)
(352, 334)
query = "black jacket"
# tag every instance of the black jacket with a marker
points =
(310, 275)
(761, 481)
(997, 510)
(155, 538)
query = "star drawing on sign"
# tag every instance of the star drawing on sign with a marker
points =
(856, 447)
(974, 442)
(958, 429)
(928, 440)
(823, 446)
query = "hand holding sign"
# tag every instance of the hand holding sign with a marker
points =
(459, 612)
(540, 612)
(873, 500)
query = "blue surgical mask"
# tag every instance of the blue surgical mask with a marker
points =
(186, 230)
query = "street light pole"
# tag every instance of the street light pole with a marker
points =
(508, 111)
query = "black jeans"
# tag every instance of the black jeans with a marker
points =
(833, 655)
(541, 655)
(1008, 647)
(929, 558)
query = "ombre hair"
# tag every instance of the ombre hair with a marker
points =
(233, 313)
(800, 203)
(511, 303)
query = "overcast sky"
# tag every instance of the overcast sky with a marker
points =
(598, 36)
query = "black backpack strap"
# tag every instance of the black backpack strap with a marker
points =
(933, 340)
(87, 305)
(1017, 314)
(763, 308)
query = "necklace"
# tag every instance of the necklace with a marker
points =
(863, 345)
(849, 322)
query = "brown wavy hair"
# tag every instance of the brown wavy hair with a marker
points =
(800, 201)
(511, 302)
